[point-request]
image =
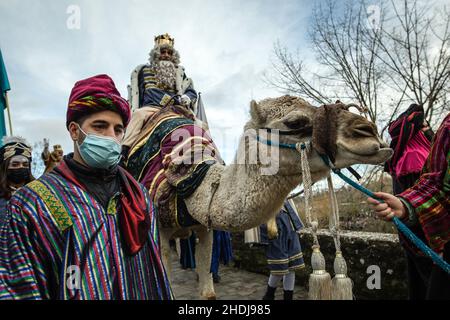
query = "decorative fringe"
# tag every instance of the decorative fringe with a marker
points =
(341, 285)
(319, 279)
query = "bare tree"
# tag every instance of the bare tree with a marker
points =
(384, 57)
(346, 58)
(291, 76)
(415, 49)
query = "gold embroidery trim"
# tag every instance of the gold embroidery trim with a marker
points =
(54, 205)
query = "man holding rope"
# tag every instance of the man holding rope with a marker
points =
(427, 204)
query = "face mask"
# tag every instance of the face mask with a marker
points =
(18, 176)
(99, 152)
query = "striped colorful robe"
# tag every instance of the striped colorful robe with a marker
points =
(41, 260)
(428, 200)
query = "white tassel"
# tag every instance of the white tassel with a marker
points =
(341, 285)
(319, 279)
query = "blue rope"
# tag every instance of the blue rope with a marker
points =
(277, 144)
(400, 225)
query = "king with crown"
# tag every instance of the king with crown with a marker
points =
(158, 84)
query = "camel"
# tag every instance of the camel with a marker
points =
(240, 195)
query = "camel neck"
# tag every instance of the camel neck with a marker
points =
(253, 197)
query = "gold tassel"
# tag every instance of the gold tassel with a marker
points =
(319, 279)
(341, 285)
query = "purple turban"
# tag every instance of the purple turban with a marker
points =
(96, 94)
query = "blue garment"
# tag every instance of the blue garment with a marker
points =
(151, 92)
(290, 221)
(187, 252)
(284, 253)
(221, 251)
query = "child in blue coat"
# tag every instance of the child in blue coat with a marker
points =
(284, 254)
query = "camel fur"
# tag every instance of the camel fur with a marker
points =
(238, 196)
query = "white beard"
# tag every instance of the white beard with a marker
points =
(165, 74)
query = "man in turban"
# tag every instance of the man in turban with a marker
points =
(87, 230)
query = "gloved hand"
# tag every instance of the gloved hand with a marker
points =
(185, 100)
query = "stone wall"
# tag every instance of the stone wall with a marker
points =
(360, 249)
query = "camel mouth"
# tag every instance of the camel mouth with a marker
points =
(374, 154)
(377, 157)
(386, 149)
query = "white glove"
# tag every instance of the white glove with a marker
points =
(185, 100)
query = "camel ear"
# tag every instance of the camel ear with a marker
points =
(255, 113)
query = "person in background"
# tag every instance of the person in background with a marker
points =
(86, 230)
(284, 253)
(160, 83)
(424, 208)
(187, 252)
(411, 141)
(15, 169)
(222, 252)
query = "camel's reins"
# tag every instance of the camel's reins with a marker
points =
(310, 214)
(399, 224)
(321, 286)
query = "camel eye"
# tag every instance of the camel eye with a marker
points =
(364, 130)
(296, 123)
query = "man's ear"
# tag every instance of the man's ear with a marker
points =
(74, 131)
(256, 114)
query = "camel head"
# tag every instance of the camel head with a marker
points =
(356, 141)
(346, 137)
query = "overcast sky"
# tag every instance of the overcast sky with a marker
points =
(225, 47)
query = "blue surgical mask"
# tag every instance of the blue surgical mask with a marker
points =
(99, 151)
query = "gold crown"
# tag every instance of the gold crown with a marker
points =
(164, 39)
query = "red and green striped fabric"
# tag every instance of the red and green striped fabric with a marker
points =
(430, 196)
(38, 258)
